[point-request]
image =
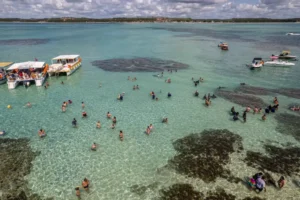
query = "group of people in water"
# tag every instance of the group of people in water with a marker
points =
(258, 182)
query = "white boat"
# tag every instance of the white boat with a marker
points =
(293, 34)
(3, 66)
(64, 64)
(257, 63)
(285, 55)
(27, 72)
(279, 63)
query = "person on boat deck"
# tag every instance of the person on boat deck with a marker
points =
(98, 125)
(114, 120)
(84, 114)
(169, 94)
(165, 120)
(42, 133)
(121, 136)
(94, 146)
(85, 184)
(108, 115)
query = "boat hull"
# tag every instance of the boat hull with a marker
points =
(72, 71)
(3, 80)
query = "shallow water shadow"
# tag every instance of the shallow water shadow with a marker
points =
(138, 65)
(288, 124)
(24, 41)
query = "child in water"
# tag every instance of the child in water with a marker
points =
(121, 136)
(77, 192)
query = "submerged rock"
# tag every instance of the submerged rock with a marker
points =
(181, 191)
(204, 155)
(141, 189)
(288, 124)
(253, 90)
(138, 65)
(24, 41)
(290, 92)
(16, 162)
(241, 99)
(284, 161)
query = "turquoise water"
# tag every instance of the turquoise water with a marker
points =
(65, 157)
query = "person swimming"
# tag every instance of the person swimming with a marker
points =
(151, 127)
(121, 97)
(94, 147)
(205, 97)
(281, 182)
(82, 105)
(74, 123)
(207, 102)
(245, 116)
(196, 93)
(148, 130)
(77, 192)
(108, 115)
(98, 125)
(63, 108)
(85, 184)
(169, 94)
(114, 120)
(236, 116)
(165, 120)
(232, 110)
(153, 96)
(28, 105)
(213, 96)
(134, 87)
(84, 114)
(42, 133)
(264, 117)
(113, 126)
(70, 101)
(121, 136)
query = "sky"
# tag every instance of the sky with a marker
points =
(197, 9)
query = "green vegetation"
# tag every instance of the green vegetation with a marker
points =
(148, 20)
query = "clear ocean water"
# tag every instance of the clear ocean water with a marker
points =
(66, 158)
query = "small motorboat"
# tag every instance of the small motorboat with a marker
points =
(293, 34)
(257, 63)
(222, 44)
(224, 48)
(2, 133)
(278, 63)
(285, 55)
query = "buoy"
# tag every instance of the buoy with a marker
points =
(9, 106)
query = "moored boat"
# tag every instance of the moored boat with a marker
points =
(285, 55)
(64, 64)
(278, 63)
(27, 72)
(257, 63)
(3, 66)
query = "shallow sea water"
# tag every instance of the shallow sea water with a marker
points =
(65, 157)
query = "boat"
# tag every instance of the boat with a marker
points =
(26, 73)
(278, 63)
(293, 34)
(3, 66)
(64, 64)
(222, 44)
(257, 63)
(2, 133)
(285, 55)
(224, 48)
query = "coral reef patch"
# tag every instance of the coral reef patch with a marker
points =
(138, 65)
(204, 155)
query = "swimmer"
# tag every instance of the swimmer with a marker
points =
(42, 133)
(137, 87)
(114, 120)
(134, 87)
(70, 101)
(121, 136)
(113, 126)
(82, 105)
(236, 116)
(85, 184)
(108, 115)
(74, 123)
(65, 104)
(77, 192)
(259, 110)
(213, 96)
(281, 182)
(151, 127)
(153, 96)
(196, 93)
(207, 102)
(248, 109)
(264, 117)
(98, 125)
(62, 83)
(28, 105)
(275, 100)
(84, 114)
(165, 120)
(63, 108)
(148, 130)
(255, 110)
(156, 99)
(204, 97)
(169, 94)
(245, 116)
(94, 147)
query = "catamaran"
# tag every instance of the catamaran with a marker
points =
(26, 73)
(3, 66)
(64, 64)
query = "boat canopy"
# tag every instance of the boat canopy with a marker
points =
(5, 64)
(64, 57)
(27, 65)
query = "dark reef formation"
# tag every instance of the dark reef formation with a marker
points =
(24, 41)
(288, 124)
(16, 157)
(285, 161)
(140, 190)
(204, 155)
(138, 65)
(289, 92)
(181, 191)
(241, 99)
